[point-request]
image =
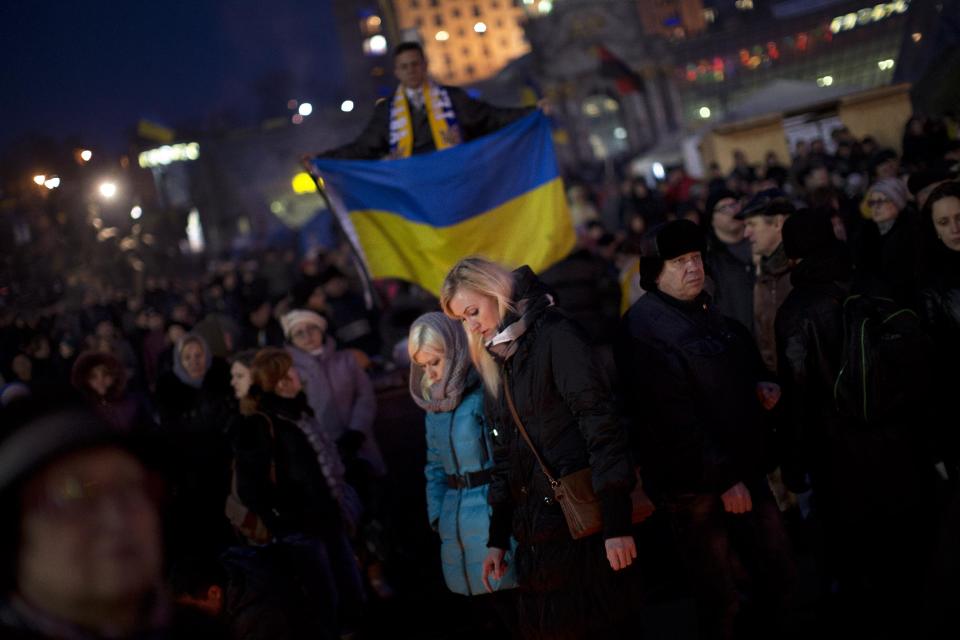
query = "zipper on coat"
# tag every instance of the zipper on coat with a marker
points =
(459, 490)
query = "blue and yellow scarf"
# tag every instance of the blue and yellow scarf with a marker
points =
(440, 113)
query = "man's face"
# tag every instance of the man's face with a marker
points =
(682, 277)
(723, 218)
(765, 234)
(90, 534)
(410, 68)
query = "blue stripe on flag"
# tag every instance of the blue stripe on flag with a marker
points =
(434, 189)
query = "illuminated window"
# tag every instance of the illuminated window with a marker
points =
(744, 5)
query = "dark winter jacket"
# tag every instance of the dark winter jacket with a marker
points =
(855, 469)
(733, 275)
(586, 287)
(888, 264)
(688, 377)
(809, 332)
(940, 310)
(769, 292)
(300, 501)
(475, 118)
(567, 409)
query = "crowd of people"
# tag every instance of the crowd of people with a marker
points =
(768, 354)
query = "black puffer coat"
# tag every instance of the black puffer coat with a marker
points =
(568, 411)
(855, 470)
(300, 501)
(689, 377)
(809, 330)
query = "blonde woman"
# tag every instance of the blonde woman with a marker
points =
(459, 456)
(522, 344)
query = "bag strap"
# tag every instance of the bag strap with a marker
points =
(523, 431)
(273, 452)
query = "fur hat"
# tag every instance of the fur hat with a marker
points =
(665, 242)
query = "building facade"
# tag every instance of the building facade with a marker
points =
(466, 41)
(853, 44)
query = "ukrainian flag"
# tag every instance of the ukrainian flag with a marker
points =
(499, 196)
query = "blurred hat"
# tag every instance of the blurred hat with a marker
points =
(301, 316)
(894, 189)
(716, 196)
(769, 202)
(808, 233)
(42, 438)
(666, 242)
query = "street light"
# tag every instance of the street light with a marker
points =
(108, 189)
(40, 179)
(52, 183)
(704, 112)
(305, 109)
(346, 106)
(86, 154)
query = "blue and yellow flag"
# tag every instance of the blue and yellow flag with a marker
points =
(500, 196)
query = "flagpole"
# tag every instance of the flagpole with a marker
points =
(370, 297)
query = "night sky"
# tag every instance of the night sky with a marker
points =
(93, 68)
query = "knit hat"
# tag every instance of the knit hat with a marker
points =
(299, 316)
(808, 233)
(893, 189)
(715, 197)
(666, 242)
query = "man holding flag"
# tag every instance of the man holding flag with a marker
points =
(459, 178)
(422, 115)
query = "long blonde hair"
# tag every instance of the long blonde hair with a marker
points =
(486, 278)
(423, 337)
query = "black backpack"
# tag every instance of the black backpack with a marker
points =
(886, 359)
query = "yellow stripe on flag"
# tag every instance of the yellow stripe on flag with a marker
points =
(532, 229)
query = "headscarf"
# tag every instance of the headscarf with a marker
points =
(178, 369)
(458, 373)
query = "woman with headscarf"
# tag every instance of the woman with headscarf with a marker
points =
(459, 454)
(539, 371)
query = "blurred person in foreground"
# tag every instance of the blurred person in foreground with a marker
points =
(81, 538)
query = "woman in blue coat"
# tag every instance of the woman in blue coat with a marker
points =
(459, 450)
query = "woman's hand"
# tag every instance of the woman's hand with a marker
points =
(736, 499)
(769, 394)
(621, 552)
(493, 564)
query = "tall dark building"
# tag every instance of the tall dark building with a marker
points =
(367, 32)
